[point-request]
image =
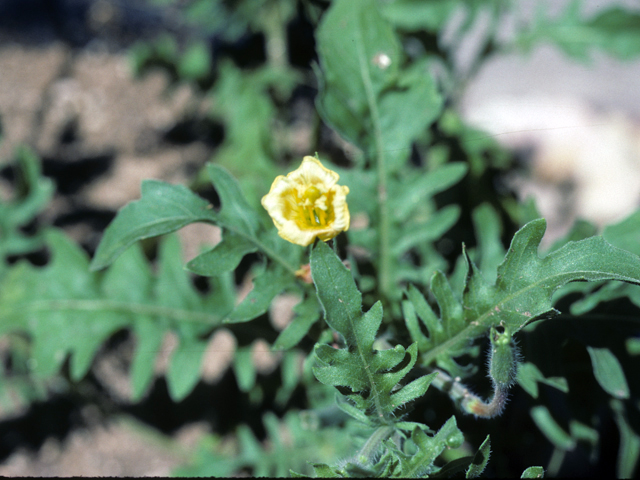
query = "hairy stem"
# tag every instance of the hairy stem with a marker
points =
(371, 446)
(468, 401)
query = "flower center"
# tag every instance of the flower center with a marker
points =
(312, 193)
(314, 206)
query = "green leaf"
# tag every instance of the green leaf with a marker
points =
(224, 257)
(415, 15)
(49, 303)
(148, 342)
(529, 376)
(33, 193)
(325, 471)
(129, 278)
(195, 63)
(414, 97)
(34, 190)
(340, 298)
(162, 209)
(291, 374)
(591, 259)
(348, 62)
(416, 234)
(596, 294)
(429, 449)
(407, 196)
(415, 223)
(165, 208)
(364, 95)
(625, 235)
(382, 108)
(608, 372)
(480, 460)
(533, 472)
(173, 287)
(411, 321)
(185, 367)
(289, 444)
(414, 389)
(365, 375)
(550, 428)
(244, 369)
(426, 314)
(615, 30)
(584, 433)
(265, 287)
(522, 292)
(487, 226)
(633, 346)
(175, 290)
(69, 311)
(432, 16)
(249, 444)
(235, 213)
(353, 411)
(307, 313)
(629, 451)
(297, 475)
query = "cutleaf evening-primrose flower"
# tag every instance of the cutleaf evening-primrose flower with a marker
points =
(308, 203)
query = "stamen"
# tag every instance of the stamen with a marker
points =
(321, 216)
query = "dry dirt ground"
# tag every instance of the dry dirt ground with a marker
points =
(98, 131)
(580, 127)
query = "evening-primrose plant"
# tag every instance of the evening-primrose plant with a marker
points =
(404, 268)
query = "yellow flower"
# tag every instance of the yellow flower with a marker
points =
(307, 204)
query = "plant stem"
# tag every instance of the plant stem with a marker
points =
(468, 401)
(371, 446)
(384, 270)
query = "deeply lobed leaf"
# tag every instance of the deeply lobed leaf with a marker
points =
(522, 292)
(368, 375)
(50, 302)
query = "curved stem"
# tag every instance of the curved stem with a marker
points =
(470, 402)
